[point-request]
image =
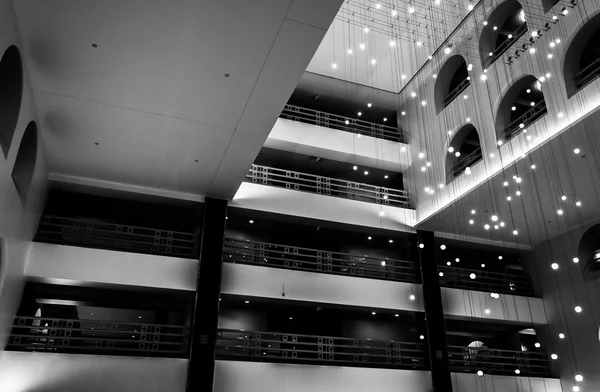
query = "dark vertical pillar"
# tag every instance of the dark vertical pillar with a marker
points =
(434, 314)
(205, 315)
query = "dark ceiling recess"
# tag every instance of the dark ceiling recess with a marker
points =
(11, 93)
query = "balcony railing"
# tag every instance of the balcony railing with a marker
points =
(112, 236)
(492, 361)
(314, 260)
(318, 350)
(341, 123)
(527, 118)
(59, 335)
(328, 186)
(490, 282)
(467, 161)
(504, 46)
(588, 74)
(456, 92)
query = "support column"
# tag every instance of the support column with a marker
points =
(434, 314)
(205, 314)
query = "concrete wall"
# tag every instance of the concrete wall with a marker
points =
(18, 222)
(64, 264)
(46, 372)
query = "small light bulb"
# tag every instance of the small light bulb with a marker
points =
(471, 221)
(483, 77)
(411, 10)
(472, 212)
(575, 388)
(482, 265)
(369, 104)
(404, 113)
(501, 225)
(495, 28)
(385, 119)
(373, 61)
(576, 151)
(421, 155)
(392, 43)
(575, 259)
(448, 263)
(494, 218)
(554, 266)
(508, 198)
(412, 297)
(381, 213)
(517, 371)
(559, 212)
(366, 29)
(515, 232)
(457, 154)
(457, 260)
(394, 13)
(578, 204)
(422, 337)
(366, 172)
(486, 226)
(334, 66)
(532, 50)
(362, 46)
(423, 103)
(518, 193)
(578, 309)
(354, 167)
(561, 335)
(579, 378)
(550, 55)
(554, 356)
(487, 311)
(480, 373)
(359, 114)
(470, 7)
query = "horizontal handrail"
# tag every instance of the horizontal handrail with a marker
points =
(467, 161)
(313, 349)
(328, 186)
(315, 260)
(498, 361)
(341, 123)
(456, 92)
(504, 46)
(80, 336)
(588, 74)
(107, 235)
(486, 281)
(529, 117)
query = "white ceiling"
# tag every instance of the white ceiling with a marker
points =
(558, 171)
(153, 94)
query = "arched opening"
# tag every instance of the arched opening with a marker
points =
(588, 253)
(522, 105)
(582, 60)
(505, 25)
(11, 92)
(452, 80)
(22, 173)
(463, 153)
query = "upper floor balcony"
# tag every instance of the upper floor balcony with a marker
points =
(486, 281)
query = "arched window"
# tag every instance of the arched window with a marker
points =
(11, 91)
(522, 105)
(463, 153)
(22, 173)
(452, 80)
(582, 60)
(505, 25)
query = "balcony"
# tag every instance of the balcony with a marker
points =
(467, 161)
(529, 117)
(320, 261)
(111, 236)
(504, 46)
(456, 92)
(588, 74)
(341, 123)
(491, 282)
(328, 186)
(499, 362)
(98, 337)
(275, 347)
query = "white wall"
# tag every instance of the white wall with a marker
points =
(308, 139)
(310, 205)
(17, 222)
(48, 372)
(232, 376)
(62, 263)
(464, 382)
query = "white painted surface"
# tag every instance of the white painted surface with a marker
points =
(22, 371)
(76, 264)
(315, 206)
(231, 376)
(313, 140)
(17, 222)
(464, 382)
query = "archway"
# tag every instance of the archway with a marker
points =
(522, 105)
(452, 80)
(24, 168)
(11, 92)
(505, 25)
(582, 59)
(463, 153)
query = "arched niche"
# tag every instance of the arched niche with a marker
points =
(24, 167)
(11, 92)
(452, 80)
(463, 152)
(588, 253)
(582, 59)
(520, 106)
(505, 25)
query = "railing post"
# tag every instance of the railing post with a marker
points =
(434, 313)
(205, 315)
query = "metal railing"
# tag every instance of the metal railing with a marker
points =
(588, 74)
(318, 350)
(527, 118)
(105, 235)
(492, 361)
(467, 161)
(341, 123)
(60, 335)
(314, 260)
(456, 92)
(328, 186)
(491, 282)
(504, 46)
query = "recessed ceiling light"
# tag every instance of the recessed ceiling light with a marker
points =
(561, 335)
(369, 104)
(366, 172)
(333, 66)
(575, 259)
(411, 297)
(247, 302)
(384, 119)
(578, 309)
(554, 266)
(515, 232)
(578, 204)
(250, 221)
(362, 46)
(576, 151)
